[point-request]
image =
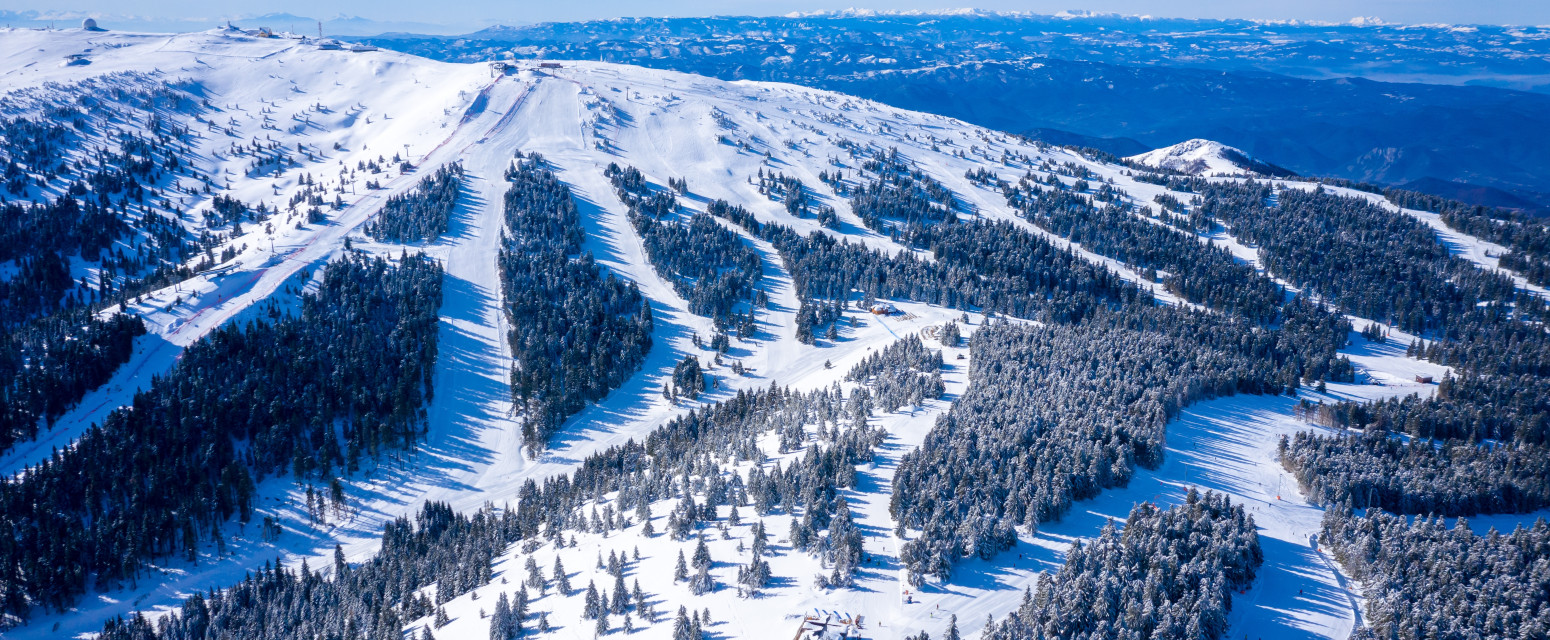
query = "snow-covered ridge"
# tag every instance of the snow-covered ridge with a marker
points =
(1206, 158)
(348, 107)
(581, 116)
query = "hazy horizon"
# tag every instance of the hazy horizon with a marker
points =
(474, 15)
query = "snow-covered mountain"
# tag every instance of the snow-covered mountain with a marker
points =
(1207, 158)
(274, 120)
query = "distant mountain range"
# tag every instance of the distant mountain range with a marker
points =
(1356, 129)
(1484, 55)
(1125, 85)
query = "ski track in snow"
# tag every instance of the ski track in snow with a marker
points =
(666, 129)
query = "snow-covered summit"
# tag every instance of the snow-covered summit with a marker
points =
(1207, 158)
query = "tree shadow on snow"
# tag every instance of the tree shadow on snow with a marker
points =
(460, 222)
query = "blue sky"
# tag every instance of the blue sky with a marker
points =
(478, 12)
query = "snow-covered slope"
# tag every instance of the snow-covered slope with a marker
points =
(1206, 158)
(345, 108)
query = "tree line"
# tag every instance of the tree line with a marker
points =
(48, 365)
(1425, 580)
(108, 147)
(1419, 476)
(1168, 573)
(577, 332)
(309, 394)
(795, 197)
(1527, 237)
(1053, 414)
(420, 215)
(53, 347)
(707, 264)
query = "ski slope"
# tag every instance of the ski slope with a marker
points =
(352, 107)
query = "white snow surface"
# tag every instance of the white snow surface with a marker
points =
(1197, 156)
(582, 116)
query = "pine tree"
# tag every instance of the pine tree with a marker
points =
(535, 577)
(681, 627)
(340, 566)
(621, 596)
(844, 546)
(702, 583)
(760, 540)
(757, 574)
(593, 604)
(500, 623)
